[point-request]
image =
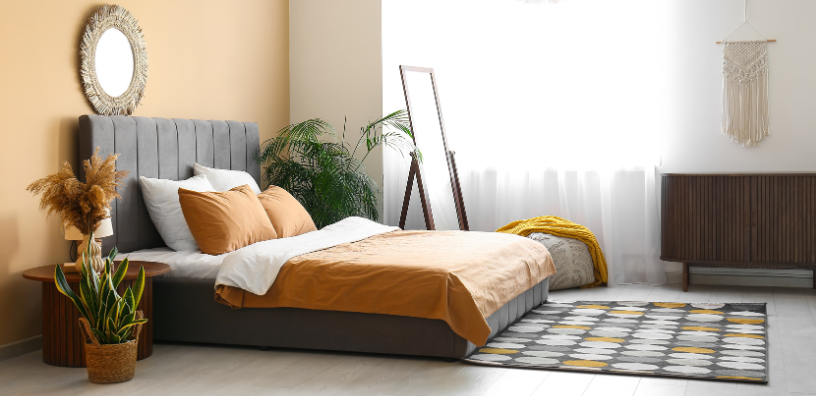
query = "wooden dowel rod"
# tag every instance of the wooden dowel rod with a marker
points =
(769, 40)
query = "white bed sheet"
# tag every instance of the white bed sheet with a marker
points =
(184, 264)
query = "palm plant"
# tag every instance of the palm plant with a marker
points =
(112, 317)
(321, 170)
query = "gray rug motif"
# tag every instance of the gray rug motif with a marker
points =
(699, 340)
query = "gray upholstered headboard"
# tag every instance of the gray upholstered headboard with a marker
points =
(162, 148)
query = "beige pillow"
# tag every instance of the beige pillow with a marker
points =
(287, 215)
(222, 222)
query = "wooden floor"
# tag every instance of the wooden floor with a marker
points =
(203, 370)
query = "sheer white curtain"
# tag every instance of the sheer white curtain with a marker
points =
(552, 109)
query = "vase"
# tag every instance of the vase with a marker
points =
(95, 261)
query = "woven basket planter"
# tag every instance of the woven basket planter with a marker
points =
(110, 363)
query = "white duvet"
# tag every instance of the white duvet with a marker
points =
(255, 267)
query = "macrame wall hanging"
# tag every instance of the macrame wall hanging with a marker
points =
(745, 116)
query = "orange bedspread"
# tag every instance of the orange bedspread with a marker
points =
(459, 277)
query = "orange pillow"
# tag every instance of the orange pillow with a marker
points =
(225, 221)
(287, 215)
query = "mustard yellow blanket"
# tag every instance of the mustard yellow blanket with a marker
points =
(561, 227)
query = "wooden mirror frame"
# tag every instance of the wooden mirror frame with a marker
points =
(416, 169)
(113, 17)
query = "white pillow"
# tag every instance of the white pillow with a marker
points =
(226, 179)
(162, 201)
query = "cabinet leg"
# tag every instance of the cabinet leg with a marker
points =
(814, 277)
(685, 277)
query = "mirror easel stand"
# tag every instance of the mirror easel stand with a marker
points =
(458, 199)
(426, 204)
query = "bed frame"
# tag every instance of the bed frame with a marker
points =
(186, 310)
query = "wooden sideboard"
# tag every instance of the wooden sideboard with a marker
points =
(757, 220)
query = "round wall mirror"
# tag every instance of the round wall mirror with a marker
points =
(114, 61)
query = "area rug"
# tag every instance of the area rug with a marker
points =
(706, 340)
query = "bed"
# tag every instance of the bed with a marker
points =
(185, 309)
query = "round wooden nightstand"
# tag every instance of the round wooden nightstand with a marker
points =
(62, 341)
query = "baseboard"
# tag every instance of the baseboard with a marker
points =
(18, 348)
(750, 277)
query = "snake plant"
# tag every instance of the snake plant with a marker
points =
(112, 317)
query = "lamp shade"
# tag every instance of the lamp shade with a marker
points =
(105, 229)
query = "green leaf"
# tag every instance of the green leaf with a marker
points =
(110, 307)
(138, 288)
(130, 300)
(108, 266)
(110, 326)
(120, 273)
(65, 288)
(125, 333)
(106, 299)
(113, 310)
(134, 323)
(88, 298)
(100, 336)
(100, 314)
(83, 270)
(113, 253)
(95, 283)
(102, 290)
(109, 284)
(127, 319)
(117, 317)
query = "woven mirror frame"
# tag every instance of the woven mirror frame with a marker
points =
(107, 17)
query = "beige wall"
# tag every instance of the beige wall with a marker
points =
(208, 59)
(335, 63)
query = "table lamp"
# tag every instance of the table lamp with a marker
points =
(73, 234)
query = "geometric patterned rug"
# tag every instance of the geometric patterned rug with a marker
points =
(700, 340)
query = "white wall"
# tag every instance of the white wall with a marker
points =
(693, 141)
(335, 67)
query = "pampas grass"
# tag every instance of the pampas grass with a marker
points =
(81, 205)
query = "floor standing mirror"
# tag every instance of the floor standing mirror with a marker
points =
(436, 176)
